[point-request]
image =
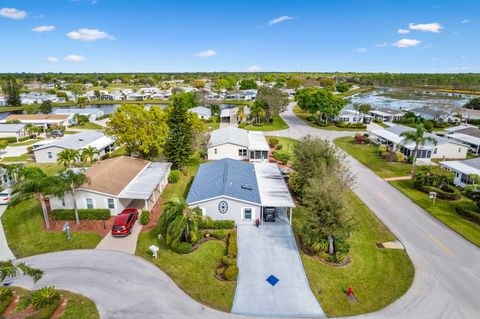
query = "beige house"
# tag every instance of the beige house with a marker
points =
(118, 183)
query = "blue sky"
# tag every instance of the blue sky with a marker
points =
(192, 36)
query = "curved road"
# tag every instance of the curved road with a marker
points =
(446, 284)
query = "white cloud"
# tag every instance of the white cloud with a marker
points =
(279, 20)
(381, 45)
(405, 43)
(74, 58)
(205, 54)
(361, 50)
(403, 31)
(253, 68)
(44, 28)
(88, 35)
(52, 59)
(465, 21)
(12, 13)
(427, 27)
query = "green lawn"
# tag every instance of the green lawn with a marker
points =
(119, 151)
(211, 126)
(28, 142)
(277, 124)
(88, 126)
(368, 156)
(23, 225)
(304, 115)
(70, 132)
(443, 210)
(22, 158)
(48, 168)
(181, 187)
(378, 276)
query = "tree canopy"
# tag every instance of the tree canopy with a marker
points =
(274, 101)
(320, 102)
(248, 84)
(12, 88)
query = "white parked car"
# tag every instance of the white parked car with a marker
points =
(5, 196)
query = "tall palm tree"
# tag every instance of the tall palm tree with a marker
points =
(68, 157)
(34, 183)
(9, 269)
(177, 221)
(69, 182)
(420, 139)
(89, 153)
(241, 113)
(258, 111)
(81, 102)
(12, 170)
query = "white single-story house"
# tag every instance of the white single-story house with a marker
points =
(91, 113)
(463, 170)
(6, 179)
(13, 130)
(468, 135)
(234, 190)
(47, 153)
(118, 183)
(387, 115)
(44, 120)
(352, 116)
(3, 101)
(229, 115)
(435, 114)
(444, 149)
(232, 142)
(202, 112)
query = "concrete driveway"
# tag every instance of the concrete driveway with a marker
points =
(271, 250)
(123, 244)
(5, 252)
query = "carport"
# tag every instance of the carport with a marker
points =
(273, 189)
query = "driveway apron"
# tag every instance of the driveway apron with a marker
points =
(126, 244)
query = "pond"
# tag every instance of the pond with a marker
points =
(407, 99)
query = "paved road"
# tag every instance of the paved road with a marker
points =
(5, 252)
(447, 267)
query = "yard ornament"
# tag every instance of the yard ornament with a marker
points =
(66, 229)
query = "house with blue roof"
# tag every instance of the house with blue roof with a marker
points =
(230, 189)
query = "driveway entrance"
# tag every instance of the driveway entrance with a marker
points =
(267, 251)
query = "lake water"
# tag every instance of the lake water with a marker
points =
(409, 99)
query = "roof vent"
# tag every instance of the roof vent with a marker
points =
(80, 139)
(245, 186)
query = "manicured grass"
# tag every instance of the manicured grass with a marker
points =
(48, 168)
(22, 158)
(23, 225)
(88, 126)
(368, 156)
(70, 132)
(211, 126)
(378, 276)
(194, 272)
(28, 142)
(304, 115)
(181, 187)
(443, 210)
(119, 151)
(277, 124)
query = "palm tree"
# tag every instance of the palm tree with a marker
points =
(81, 102)
(68, 157)
(69, 182)
(35, 183)
(177, 221)
(33, 129)
(258, 111)
(9, 269)
(418, 137)
(12, 170)
(241, 113)
(89, 153)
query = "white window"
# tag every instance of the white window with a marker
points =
(89, 203)
(49, 154)
(110, 203)
(248, 213)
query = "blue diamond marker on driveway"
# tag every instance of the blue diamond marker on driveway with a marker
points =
(272, 280)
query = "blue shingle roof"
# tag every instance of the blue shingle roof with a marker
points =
(225, 177)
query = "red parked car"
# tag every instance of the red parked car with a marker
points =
(123, 224)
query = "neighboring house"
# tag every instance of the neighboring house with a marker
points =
(352, 116)
(387, 115)
(235, 143)
(5, 179)
(435, 114)
(202, 112)
(13, 130)
(91, 113)
(47, 153)
(444, 149)
(44, 120)
(118, 183)
(229, 115)
(468, 135)
(235, 190)
(38, 97)
(3, 101)
(247, 95)
(463, 170)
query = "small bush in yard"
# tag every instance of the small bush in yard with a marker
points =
(182, 247)
(232, 245)
(174, 177)
(228, 261)
(231, 273)
(145, 217)
(399, 156)
(219, 234)
(6, 295)
(382, 149)
(45, 297)
(242, 125)
(279, 146)
(273, 141)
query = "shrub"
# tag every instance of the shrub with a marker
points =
(351, 125)
(182, 247)
(208, 223)
(174, 176)
(227, 261)
(145, 217)
(446, 192)
(382, 149)
(9, 139)
(6, 295)
(219, 234)
(273, 141)
(232, 249)
(468, 213)
(242, 125)
(279, 146)
(220, 271)
(83, 214)
(282, 156)
(44, 297)
(378, 121)
(231, 273)
(399, 156)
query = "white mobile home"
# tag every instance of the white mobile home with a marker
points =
(463, 170)
(13, 130)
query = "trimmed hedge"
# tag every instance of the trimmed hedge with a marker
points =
(83, 214)
(220, 234)
(182, 247)
(144, 217)
(228, 261)
(471, 215)
(231, 273)
(450, 194)
(350, 125)
(232, 248)
(216, 224)
(10, 139)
